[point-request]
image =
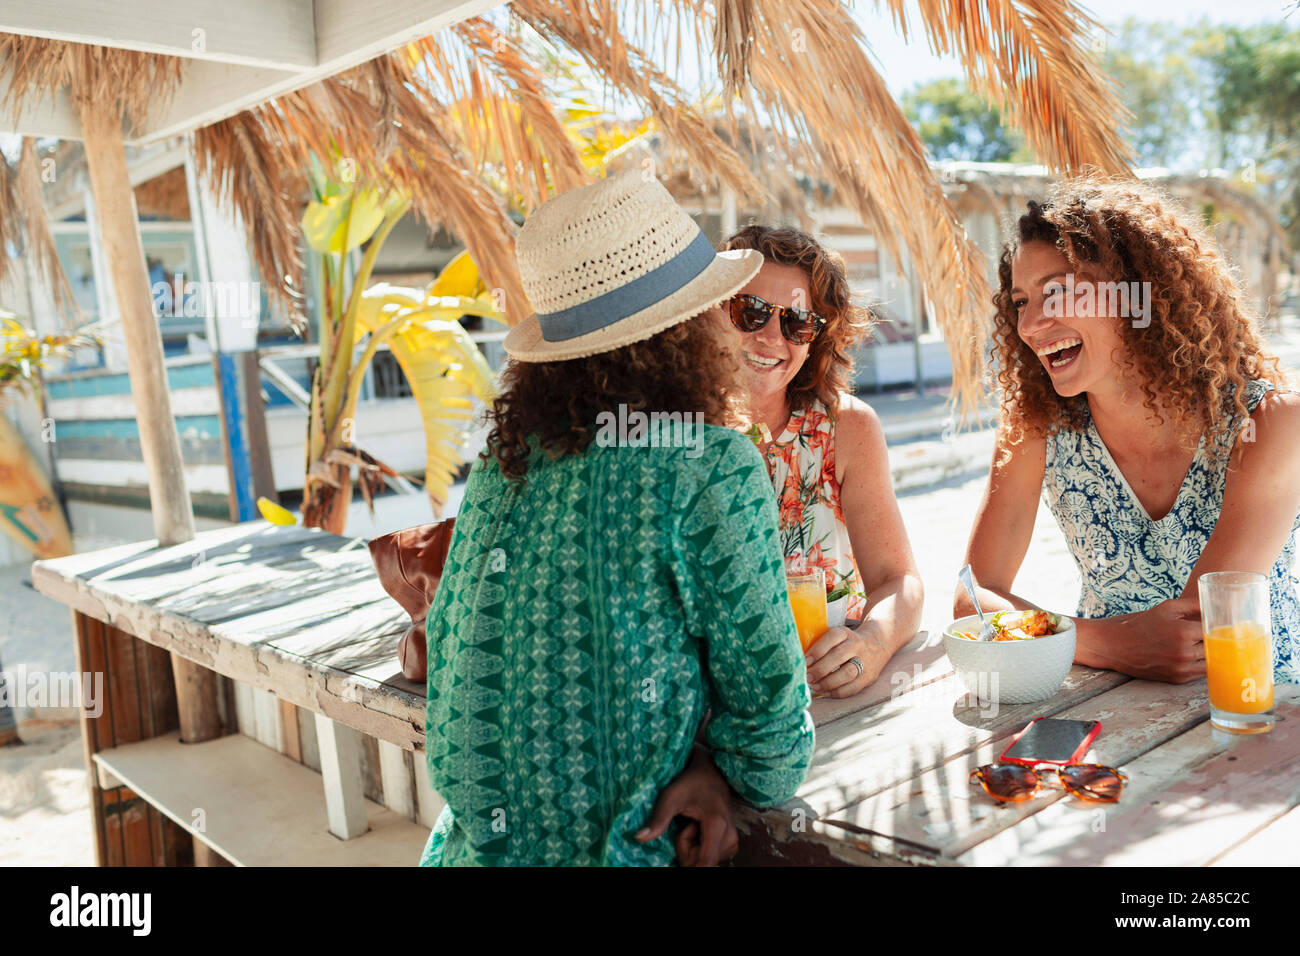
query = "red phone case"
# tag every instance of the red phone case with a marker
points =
(1073, 758)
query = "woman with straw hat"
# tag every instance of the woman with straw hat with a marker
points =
(606, 585)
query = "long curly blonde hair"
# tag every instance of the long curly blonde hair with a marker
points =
(1198, 352)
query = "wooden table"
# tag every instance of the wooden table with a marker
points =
(890, 784)
(323, 761)
(327, 737)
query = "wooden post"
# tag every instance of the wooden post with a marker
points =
(120, 236)
(259, 444)
(340, 770)
(8, 726)
(119, 233)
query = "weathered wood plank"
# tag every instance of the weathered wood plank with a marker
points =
(1272, 845)
(780, 838)
(919, 662)
(398, 781)
(289, 733)
(89, 657)
(242, 652)
(1187, 802)
(941, 811)
(307, 735)
(245, 714)
(428, 803)
(110, 810)
(372, 781)
(916, 731)
(340, 768)
(161, 711)
(123, 685)
(266, 719)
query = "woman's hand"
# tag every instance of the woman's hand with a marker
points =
(1163, 643)
(701, 794)
(830, 670)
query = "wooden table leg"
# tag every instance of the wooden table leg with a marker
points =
(340, 768)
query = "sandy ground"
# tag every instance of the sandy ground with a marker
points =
(44, 807)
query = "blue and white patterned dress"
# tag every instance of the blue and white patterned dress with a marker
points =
(1130, 563)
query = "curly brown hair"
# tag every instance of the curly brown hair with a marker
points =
(1200, 348)
(691, 367)
(827, 373)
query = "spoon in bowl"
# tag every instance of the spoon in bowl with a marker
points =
(967, 579)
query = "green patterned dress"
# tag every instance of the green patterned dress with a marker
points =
(585, 622)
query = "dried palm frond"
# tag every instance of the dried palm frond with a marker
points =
(590, 28)
(810, 72)
(238, 159)
(338, 117)
(40, 241)
(545, 146)
(124, 81)
(731, 43)
(166, 196)
(11, 229)
(1031, 58)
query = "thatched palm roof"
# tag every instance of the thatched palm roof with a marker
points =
(801, 67)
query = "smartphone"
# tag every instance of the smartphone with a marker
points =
(1048, 740)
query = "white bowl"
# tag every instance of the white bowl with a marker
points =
(1010, 672)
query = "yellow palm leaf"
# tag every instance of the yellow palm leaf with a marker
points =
(337, 224)
(458, 277)
(442, 365)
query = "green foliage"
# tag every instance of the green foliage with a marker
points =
(1165, 87)
(1202, 96)
(956, 124)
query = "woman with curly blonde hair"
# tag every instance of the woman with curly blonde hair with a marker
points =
(1138, 398)
(825, 454)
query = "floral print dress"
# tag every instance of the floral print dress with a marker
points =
(801, 463)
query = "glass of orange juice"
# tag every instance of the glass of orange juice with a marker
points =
(1236, 623)
(808, 601)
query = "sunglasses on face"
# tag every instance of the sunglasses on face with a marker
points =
(749, 313)
(1012, 783)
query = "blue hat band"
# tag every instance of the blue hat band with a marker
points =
(631, 298)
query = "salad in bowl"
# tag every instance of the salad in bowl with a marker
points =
(1015, 626)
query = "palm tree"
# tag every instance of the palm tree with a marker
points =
(442, 365)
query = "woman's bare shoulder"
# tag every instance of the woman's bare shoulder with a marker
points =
(857, 422)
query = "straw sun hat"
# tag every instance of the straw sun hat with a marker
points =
(614, 263)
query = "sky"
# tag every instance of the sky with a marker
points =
(906, 64)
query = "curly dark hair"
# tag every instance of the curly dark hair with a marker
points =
(691, 367)
(827, 373)
(1201, 346)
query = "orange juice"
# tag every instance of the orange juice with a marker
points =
(808, 601)
(1239, 668)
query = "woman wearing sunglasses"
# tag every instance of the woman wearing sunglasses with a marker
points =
(826, 455)
(1150, 422)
